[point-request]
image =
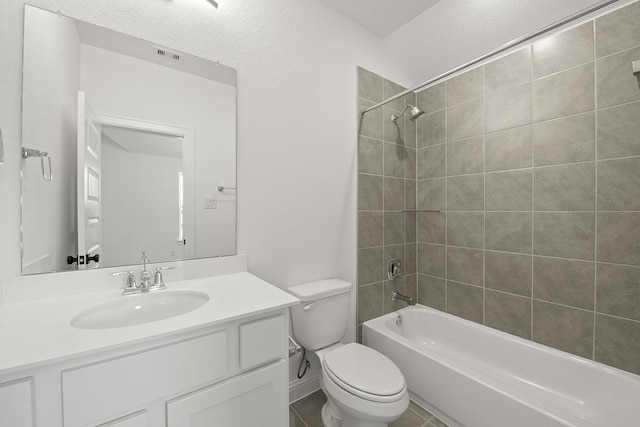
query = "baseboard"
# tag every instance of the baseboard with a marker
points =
(303, 387)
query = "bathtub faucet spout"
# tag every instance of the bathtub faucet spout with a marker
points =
(398, 296)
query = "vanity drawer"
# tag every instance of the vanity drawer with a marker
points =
(262, 341)
(100, 391)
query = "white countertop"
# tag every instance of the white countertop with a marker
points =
(38, 332)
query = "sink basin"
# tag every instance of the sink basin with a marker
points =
(137, 309)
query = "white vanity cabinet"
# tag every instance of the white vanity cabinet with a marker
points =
(229, 374)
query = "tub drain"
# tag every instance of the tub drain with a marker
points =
(399, 320)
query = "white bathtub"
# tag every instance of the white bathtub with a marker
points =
(470, 375)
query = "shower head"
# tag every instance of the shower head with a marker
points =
(415, 113)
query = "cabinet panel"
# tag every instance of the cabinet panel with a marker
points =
(16, 408)
(262, 341)
(94, 393)
(139, 419)
(259, 398)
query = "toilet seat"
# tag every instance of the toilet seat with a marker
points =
(359, 409)
(365, 373)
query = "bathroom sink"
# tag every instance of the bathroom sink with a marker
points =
(138, 309)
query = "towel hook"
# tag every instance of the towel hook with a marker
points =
(28, 152)
(222, 188)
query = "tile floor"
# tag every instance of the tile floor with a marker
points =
(306, 413)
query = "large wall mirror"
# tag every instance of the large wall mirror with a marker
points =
(127, 145)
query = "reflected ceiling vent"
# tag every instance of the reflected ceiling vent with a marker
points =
(169, 54)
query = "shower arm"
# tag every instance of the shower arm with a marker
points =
(501, 49)
(394, 117)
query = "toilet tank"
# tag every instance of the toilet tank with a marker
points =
(321, 318)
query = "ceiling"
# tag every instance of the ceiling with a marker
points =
(142, 142)
(381, 17)
(106, 39)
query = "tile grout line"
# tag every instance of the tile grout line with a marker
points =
(533, 122)
(614, 53)
(527, 168)
(384, 201)
(415, 176)
(619, 317)
(622, 104)
(299, 416)
(590, 261)
(556, 73)
(558, 304)
(595, 156)
(533, 200)
(359, 121)
(418, 414)
(484, 199)
(446, 200)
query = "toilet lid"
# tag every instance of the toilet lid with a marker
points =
(364, 370)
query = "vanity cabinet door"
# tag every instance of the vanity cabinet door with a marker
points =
(15, 404)
(139, 419)
(259, 398)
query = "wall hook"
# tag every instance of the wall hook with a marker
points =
(1, 148)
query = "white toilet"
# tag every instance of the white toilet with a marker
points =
(364, 388)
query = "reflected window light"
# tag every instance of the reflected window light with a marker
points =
(545, 44)
(180, 207)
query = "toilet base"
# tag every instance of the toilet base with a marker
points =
(331, 416)
(349, 421)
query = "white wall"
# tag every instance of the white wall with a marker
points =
(453, 32)
(52, 78)
(139, 206)
(123, 86)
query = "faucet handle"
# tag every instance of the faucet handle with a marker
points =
(157, 281)
(131, 281)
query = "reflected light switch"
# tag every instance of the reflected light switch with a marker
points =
(210, 203)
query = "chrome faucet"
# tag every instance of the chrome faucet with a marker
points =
(132, 287)
(398, 296)
(145, 275)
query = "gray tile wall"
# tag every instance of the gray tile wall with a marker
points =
(534, 160)
(387, 158)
